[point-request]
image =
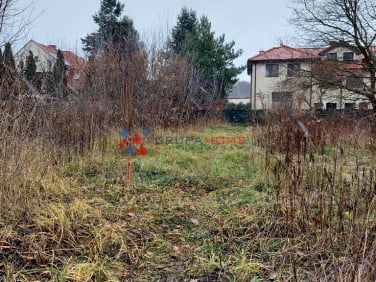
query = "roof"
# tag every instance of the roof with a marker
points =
(70, 58)
(284, 52)
(76, 64)
(287, 53)
(353, 66)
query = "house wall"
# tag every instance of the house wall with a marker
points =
(262, 87)
(342, 97)
(238, 100)
(341, 50)
(43, 60)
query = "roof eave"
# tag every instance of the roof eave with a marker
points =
(250, 61)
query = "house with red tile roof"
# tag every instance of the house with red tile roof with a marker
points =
(284, 76)
(45, 57)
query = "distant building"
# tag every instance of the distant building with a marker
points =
(45, 58)
(240, 93)
(280, 78)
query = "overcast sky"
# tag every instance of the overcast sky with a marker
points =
(254, 25)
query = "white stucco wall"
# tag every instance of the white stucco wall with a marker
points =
(262, 86)
(238, 100)
(43, 60)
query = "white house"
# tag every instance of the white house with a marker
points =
(45, 58)
(287, 76)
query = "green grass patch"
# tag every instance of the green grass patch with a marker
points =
(193, 211)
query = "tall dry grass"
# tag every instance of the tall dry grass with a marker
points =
(37, 130)
(322, 178)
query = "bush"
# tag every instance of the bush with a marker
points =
(237, 113)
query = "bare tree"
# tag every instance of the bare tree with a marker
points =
(351, 22)
(14, 20)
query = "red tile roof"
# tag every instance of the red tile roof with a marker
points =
(284, 52)
(76, 65)
(353, 66)
(70, 58)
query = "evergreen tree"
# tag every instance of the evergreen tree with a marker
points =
(8, 58)
(90, 75)
(30, 68)
(9, 72)
(205, 50)
(114, 30)
(211, 56)
(59, 78)
(225, 71)
(21, 66)
(184, 32)
(2, 68)
(2, 71)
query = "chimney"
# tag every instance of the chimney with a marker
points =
(261, 51)
(53, 46)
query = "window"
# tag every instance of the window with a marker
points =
(317, 106)
(349, 106)
(348, 56)
(363, 106)
(271, 70)
(281, 100)
(331, 106)
(331, 56)
(76, 76)
(293, 69)
(354, 82)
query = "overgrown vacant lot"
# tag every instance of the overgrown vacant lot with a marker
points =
(280, 207)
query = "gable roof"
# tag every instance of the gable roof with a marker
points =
(284, 52)
(70, 58)
(76, 64)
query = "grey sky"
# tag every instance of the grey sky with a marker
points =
(254, 25)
